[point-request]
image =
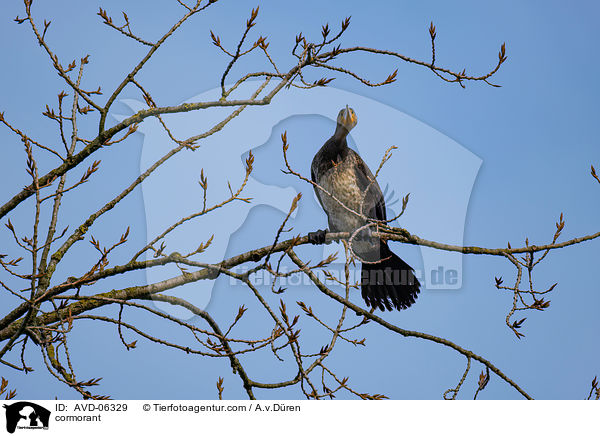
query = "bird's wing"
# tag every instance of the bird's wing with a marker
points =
(313, 176)
(374, 203)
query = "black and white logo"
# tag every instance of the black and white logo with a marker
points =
(26, 415)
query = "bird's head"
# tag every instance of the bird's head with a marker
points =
(347, 118)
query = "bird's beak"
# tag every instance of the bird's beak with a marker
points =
(348, 116)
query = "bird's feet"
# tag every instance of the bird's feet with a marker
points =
(318, 237)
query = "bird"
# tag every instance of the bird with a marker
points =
(351, 197)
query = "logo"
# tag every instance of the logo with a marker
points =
(26, 415)
(437, 171)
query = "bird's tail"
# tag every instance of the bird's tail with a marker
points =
(389, 283)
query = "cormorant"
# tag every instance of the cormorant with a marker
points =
(351, 194)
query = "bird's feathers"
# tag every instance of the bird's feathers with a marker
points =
(350, 196)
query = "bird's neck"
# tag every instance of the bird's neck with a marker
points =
(340, 135)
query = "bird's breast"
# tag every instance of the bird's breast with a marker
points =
(340, 181)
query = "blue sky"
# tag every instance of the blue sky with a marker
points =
(536, 137)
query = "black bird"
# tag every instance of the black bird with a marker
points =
(351, 194)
